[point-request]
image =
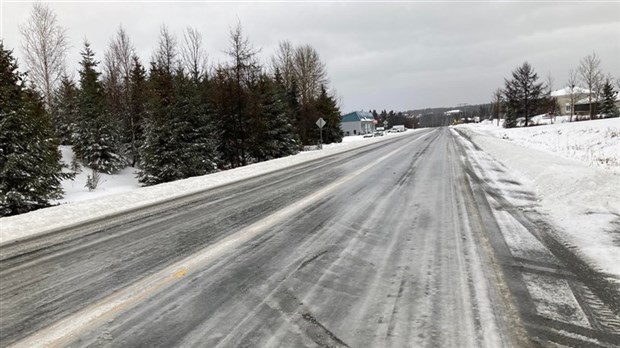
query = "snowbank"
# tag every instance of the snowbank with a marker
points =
(594, 143)
(579, 193)
(70, 214)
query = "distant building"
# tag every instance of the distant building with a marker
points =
(357, 123)
(563, 98)
(582, 106)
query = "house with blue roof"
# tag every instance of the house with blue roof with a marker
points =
(357, 123)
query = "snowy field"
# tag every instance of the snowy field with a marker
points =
(122, 192)
(574, 170)
(594, 143)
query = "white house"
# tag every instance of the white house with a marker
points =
(357, 123)
(563, 98)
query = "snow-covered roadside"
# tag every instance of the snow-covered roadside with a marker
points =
(49, 219)
(595, 143)
(76, 191)
(126, 180)
(583, 201)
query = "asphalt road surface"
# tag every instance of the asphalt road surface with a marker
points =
(396, 244)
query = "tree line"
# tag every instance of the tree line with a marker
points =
(525, 94)
(391, 118)
(176, 118)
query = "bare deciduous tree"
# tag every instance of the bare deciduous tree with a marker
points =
(310, 72)
(551, 106)
(44, 47)
(302, 65)
(167, 52)
(118, 64)
(572, 83)
(591, 76)
(193, 54)
(120, 56)
(283, 61)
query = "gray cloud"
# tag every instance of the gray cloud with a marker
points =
(378, 55)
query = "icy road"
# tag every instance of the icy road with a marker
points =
(402, 243)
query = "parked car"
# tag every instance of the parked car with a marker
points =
(368, 135)
(378, 133)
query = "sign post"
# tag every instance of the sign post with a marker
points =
(321, 122)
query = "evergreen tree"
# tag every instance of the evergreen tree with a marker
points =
(523, 95)
(327, 108)
(30, 169)
(64, 110)
(608, 102)
(232, 99)
(383, 117)
(179, 141)
(97, 141)
(158, 153)
(274, 137)
(137, 109)
(192, 128)
(375, 115)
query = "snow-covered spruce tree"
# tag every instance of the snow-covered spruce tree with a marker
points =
(137, 109)
(192, 128)
(30, 169)
(97, 135)
(159, 152)
(523, 95)
(178, 138)
(64, 110)
(272, 134)
(179, 141)
(608, 102)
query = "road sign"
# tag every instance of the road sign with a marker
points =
(321, 122)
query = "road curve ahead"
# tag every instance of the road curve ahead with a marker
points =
(389, 245)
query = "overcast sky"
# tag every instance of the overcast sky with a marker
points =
(379, 55)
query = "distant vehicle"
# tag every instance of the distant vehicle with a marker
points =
(378, 133)
(399, 128)
(368, 135)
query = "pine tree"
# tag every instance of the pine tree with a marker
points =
(64, 110)
(232, 100)
(97, 141)
(159, 151)
(30, 169)
(272, 135)
(195, 138)
(179, 141)
(608, 102)
(375, 115)
(137, 109)
(328, 109)
(523, 95)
